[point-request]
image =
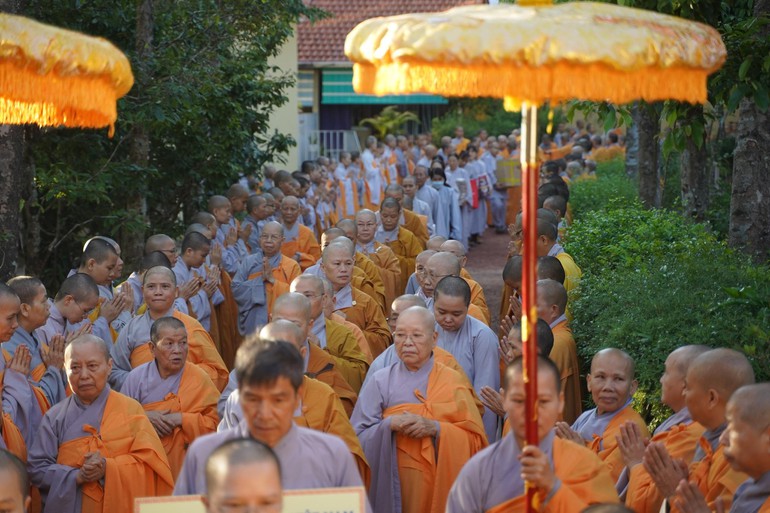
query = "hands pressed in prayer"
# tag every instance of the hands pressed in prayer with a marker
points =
(515, 307)
(267, 271)
(507, 350)
(413, 426)
(689, 499)
(536, 468)
(506, 323)
(54, 356)
(128, 295)
(231, 237)
(563, 430)
(632, 444)
(164, 421)
(244, 233)
(493, 400)
(85, 329)
(663, 469)
(190, 288)
(21, 360)
(215, 255)
(93, 468)
(111, 309)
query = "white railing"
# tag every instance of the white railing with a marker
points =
(329, 143)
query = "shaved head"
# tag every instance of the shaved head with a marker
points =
(724, 370)
(751, 404)
(83, 340)
(544, 364)
(365, 215)
(218, 202)
(435, 242)
(546, 228)
(424, 256)
(444, 263)
(512, 271)
(455, 247)
(238, 455)
(290, 200)
(421, 313)
(237, 191)
(407, 301)
(343, 241)
(685, 355)
(157, 242)
(349, 227)
(284, 331)
(552, 293)
(159, 270)
(330, 234)
(316, 282)
(294, 301)
(549, 268)
(619, 355)
(337, 247)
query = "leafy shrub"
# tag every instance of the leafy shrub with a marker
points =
(626, 235)
(653, 282)
(612, 187)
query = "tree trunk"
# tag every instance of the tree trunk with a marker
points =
(11, 171)
(648, 127)
(750, 198)
(632, 147)
(139, 150)
(694, 167)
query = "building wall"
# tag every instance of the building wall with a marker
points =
(285, 119)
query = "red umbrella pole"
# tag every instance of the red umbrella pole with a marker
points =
(530, 179)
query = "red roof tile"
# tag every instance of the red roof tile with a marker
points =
(324, 41)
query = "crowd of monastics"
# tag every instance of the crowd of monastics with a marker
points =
(249, 358)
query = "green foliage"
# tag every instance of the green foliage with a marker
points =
(390, 121)
(611, 187)
(474, 115)
(653, 281)
(203, 95)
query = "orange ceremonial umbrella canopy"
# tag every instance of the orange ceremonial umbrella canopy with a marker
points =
(55, 77)
(529, 54)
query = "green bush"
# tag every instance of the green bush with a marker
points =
(653, 282)
(625, 234)
(612, 187)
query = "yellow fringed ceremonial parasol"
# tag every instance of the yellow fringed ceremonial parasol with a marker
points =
(55, 77)
(528, 54)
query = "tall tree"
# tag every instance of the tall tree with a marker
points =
(647, 121)
(694, 165)
(197, 117)
(11, 169)
(750, 197)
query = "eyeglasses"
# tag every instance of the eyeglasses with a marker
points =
(270, 238)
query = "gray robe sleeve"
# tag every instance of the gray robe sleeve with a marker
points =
(57, 483)
(19, 402)
(379, 445)
(486, 373)
(121, 360)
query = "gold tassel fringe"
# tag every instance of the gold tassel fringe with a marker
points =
(556, 83)
(27, 97)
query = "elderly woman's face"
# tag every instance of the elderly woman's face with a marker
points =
(414, 338)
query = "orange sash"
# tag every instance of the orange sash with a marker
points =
(94, 315)
(198, 405)
(201, 351)
(427, 472)
(227, 317)
(273, 290)
(136, 465)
